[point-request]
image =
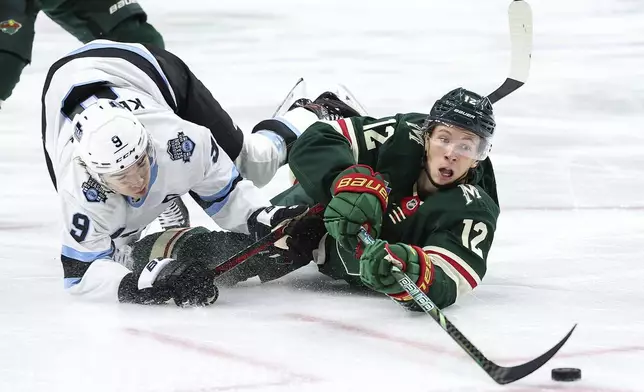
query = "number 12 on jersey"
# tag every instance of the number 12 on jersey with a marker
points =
(480, 231)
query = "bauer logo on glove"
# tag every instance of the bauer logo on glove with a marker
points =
(360, 183)
(359, 199)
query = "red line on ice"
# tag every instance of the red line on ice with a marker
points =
(293, 377)
(366, 332)
(372, 333)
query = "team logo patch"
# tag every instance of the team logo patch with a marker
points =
(181, 147)
(10, 26)
(93, 191)
(409, 205)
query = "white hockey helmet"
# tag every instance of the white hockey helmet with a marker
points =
(110, 138)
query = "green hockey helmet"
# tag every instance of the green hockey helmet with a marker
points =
(465, 109)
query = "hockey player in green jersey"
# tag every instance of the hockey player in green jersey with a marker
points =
(422, 185)
(439, 214)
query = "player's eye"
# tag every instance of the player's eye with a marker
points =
(465, 147)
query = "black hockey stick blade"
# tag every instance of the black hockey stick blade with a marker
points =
(506, 375)
(500, 374)
(520, 20)
(506, 88)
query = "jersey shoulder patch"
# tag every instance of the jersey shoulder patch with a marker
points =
(94, 192)
(470, 193)
(181, 147)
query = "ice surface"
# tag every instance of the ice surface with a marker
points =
(568, 247)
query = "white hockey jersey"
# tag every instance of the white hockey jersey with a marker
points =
(187, 159)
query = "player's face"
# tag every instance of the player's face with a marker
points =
(450, 153)
(132, 181)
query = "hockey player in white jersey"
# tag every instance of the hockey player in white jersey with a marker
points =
(126, 130)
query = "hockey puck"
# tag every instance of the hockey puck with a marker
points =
(566, 374)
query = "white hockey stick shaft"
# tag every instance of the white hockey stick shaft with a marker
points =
(520, 20)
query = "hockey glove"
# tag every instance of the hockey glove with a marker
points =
(379, 257)
(291, 252)
(303, 236)
(359, 199)
(188, 283)
(263, 221)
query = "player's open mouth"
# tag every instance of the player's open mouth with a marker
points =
(446, 173)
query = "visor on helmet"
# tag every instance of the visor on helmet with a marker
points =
(463, 142)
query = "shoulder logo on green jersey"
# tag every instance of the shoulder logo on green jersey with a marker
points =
(470, 193)
(10, 26)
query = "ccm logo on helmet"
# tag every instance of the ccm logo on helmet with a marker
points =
(127, 154)
(459, 111)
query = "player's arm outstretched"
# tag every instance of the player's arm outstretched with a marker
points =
(444, 251)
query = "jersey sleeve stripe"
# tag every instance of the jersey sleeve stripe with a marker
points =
(456, 263)
(132, 48)
(165, 244)
(69, 282)
(345, 131)
(167, 252)
(225, 191)
(86, 257)
(217, 206)
(349, 132)
(214, 203)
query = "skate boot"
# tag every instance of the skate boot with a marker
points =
(326, 107)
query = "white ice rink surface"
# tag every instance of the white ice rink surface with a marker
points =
(569, 246)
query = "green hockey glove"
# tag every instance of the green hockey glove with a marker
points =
(359, 199)
(379, 257)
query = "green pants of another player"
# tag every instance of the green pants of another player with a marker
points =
(213, 248)
(117, 20)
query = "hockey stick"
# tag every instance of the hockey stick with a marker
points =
(500, 374)
(288, 96)
(259, 246)
(520, 19)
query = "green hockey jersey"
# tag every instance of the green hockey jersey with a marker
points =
(454, 225)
